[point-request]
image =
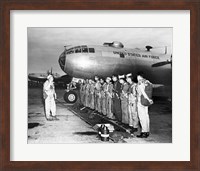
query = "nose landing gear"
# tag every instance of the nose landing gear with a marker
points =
(70, 96)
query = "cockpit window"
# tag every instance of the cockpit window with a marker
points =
(62, 60)
(70, 51)
(91, 50)
(78, 49)
(84, 50)
(121, 55)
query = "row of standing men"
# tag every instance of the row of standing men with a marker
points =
(118, 98)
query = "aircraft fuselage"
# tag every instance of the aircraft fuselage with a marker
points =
(105, 61)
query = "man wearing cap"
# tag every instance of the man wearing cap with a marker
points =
(124, 100)
(82, 92)
(143, 110)
(91, 94)
(49, 96)
(132, 104)
(103, 96)
(97, 94)
(109, 90)
(87, 93)
(116, 98)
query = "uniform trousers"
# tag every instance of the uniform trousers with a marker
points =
(133, 116)
(125, 115)
(50, 106)
(143, 117)
(109, 107)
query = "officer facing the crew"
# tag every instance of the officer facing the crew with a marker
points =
(49, 96)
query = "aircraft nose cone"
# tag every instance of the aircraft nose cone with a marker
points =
(61, 60)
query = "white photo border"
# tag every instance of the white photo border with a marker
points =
(179, 150)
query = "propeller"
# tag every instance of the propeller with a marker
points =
(49, 72)
(163, 63)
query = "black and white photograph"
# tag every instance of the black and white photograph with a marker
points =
(99, 85)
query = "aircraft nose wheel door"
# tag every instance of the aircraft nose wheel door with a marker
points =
(70, 97)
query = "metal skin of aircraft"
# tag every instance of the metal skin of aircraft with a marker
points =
(88, 61)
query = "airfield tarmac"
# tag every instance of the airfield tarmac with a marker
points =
(78, 126)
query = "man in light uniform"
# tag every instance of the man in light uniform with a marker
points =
(91, 94)
(109, 91)
(103, 96)
(132, 104)
(49, 95)
(124, 99)
(143, 110)
(87, 88)
(82, 92)
(97, 94)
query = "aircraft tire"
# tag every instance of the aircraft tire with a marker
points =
(70, 97)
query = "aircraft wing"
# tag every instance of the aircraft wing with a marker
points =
(42, 77)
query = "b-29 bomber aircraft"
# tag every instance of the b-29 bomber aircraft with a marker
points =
(88, 61)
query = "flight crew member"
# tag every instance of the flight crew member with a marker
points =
(109, 90)
(143, 110)
(87, 86)
(132, 104)
(78, 87)
(72, 85)
(82, 92)
(91, 94)
(116, 99)
(124, 100)
(49, 95)
(97, 94)
(103, 96)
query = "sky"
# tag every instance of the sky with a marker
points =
(46, 44)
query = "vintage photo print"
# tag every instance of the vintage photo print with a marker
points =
(99, 85)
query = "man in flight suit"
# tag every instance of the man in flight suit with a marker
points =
(82, 92)
(49, 96)
(91, 94)
(97, 94)
(87, 87)
(124, 100)
(103, 97)
(132, 104)
(116, 99)
(109, 90)
(143, 110)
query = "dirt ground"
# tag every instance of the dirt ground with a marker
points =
(73, 128)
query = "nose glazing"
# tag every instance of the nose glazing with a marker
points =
(62, 59)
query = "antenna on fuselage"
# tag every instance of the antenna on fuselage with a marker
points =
(149, 48)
